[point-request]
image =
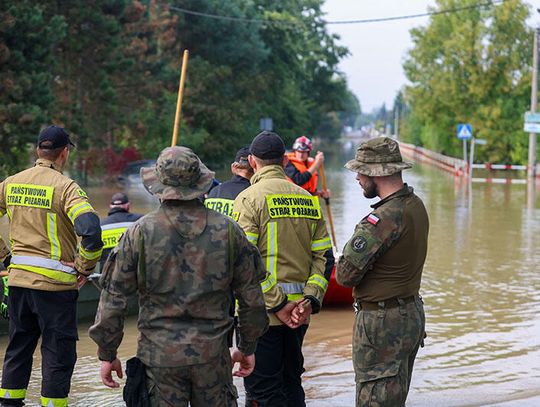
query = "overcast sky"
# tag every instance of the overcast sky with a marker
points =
(374, 68)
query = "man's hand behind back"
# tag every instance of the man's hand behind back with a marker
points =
(285, 315)
(301, 312)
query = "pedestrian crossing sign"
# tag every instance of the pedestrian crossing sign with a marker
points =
(464, 131)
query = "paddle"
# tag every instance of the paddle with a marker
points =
(328, 211)
(179, 100)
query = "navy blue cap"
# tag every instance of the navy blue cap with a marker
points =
(56, 136)
(267, 145)
(119, 199)
(242, 155)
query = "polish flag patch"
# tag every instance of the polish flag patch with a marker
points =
(373, 219)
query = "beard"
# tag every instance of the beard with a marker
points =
(370, 188)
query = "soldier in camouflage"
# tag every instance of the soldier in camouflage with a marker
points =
(383, 261)
(186, 263)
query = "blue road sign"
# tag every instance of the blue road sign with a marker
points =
(464, 131)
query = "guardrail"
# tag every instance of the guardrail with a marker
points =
(461, 168)
(489, 166)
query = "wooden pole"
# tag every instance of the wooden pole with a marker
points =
(328, 211)
(178, 115)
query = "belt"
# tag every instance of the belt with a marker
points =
(390, 303)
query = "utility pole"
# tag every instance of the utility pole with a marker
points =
(531, 172)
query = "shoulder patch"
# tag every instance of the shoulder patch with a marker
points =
(373, 219)
(82, 193)
(359, 244)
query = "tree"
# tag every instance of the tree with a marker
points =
(28, 37)
(471, 67)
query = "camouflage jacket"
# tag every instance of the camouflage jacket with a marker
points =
(187, 263)
(385, 256)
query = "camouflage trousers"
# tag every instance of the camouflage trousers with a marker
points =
(385, 343)
(204, 385)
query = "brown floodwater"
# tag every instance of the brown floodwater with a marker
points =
(481, 288)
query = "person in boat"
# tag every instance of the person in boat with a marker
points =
(187, 263)
(116, 223)
(383, 261)
(221, 197)
(285, 222)
(303, 171)
(47, 211)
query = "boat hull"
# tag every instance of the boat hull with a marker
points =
(337, 295)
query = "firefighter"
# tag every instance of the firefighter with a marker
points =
(221, 197)
(285, 223)
(47, 211)
(116, 223)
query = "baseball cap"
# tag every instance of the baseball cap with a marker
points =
(242, 155)
(119, 199)
(57, 137)
(267, 145)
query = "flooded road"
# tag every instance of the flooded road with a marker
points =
(481, 288)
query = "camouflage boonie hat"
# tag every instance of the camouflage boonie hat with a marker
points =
(178, 174)
(378, 157)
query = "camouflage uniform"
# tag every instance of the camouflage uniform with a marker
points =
(383, 261)
(184, 261)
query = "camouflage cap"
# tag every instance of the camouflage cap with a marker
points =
(378, 157)
(178, 174)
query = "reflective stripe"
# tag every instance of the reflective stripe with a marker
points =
(293, 206)
(52, 232)
(294, 297)
(50, 402)
(272, 249)
(321, 244)
(319, 280)
(90, 255)
(12, 393)
(268, 283)
(5, 284)
(111, 233)
(52, 274)
(41, 262)
(252, 237)
(110, 226)
(79, 209)
(292, 288)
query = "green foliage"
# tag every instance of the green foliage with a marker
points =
(108, 71)
(471, 67)
(27, 38)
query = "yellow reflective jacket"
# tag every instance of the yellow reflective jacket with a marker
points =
(42, 205)
(285, 222)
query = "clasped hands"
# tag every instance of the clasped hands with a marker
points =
(295, 313)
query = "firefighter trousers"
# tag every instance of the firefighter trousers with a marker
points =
(276, 380)
(53, 316)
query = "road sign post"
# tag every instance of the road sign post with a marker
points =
(464, 132)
